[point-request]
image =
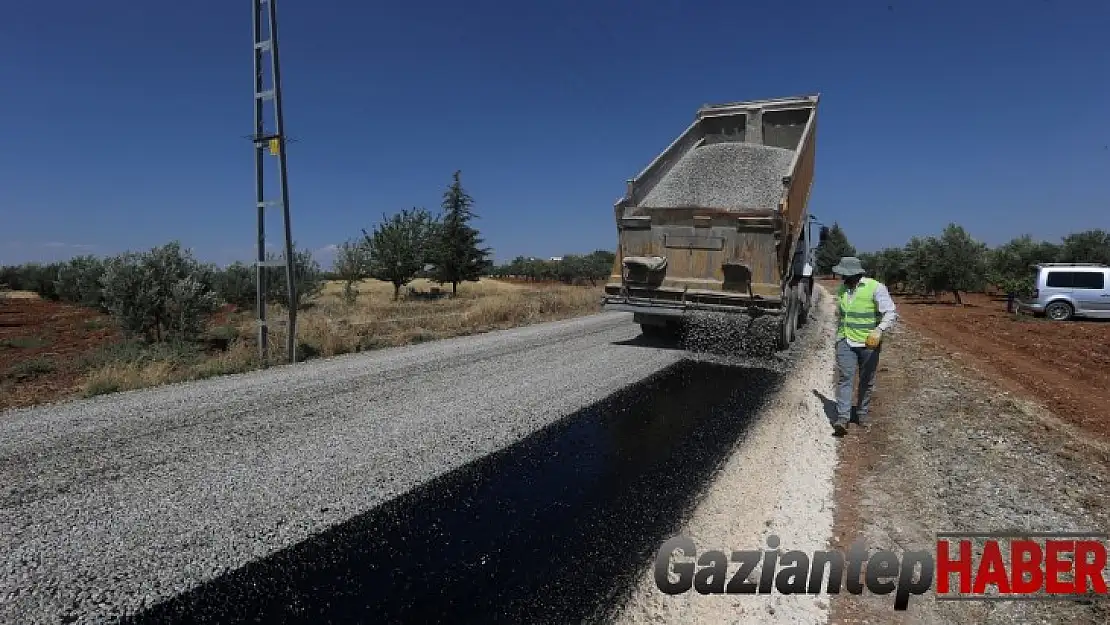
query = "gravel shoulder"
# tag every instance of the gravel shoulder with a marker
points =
(951, 451)
(112, 504)
(778, 481)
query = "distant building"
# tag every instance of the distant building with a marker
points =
(556, 258)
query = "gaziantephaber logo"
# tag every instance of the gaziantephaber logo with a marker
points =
(982, 566)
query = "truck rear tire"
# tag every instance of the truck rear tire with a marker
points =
(788, 321)
(805, 293)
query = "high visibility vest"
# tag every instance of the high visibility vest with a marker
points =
(861, 316)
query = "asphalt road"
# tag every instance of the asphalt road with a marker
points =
(121, 502)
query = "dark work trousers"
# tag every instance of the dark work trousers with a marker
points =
(851, 361)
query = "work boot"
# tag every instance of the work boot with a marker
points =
(840, 427)
(864, 422)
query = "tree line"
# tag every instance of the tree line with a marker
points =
(955, 262)
(162, 294)
(166, 294)
(570, 269)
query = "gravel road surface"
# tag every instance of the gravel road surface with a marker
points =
(115, 503)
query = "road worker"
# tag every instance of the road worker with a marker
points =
(864, 311)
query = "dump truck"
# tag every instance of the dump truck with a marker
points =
(719, 221)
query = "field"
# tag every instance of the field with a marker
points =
(53, 351)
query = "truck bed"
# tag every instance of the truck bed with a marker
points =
(725, 206)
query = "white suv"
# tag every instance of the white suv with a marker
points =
(1067, 290)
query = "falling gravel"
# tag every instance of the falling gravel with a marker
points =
(734, 176)
(737, 339)
(116, 503)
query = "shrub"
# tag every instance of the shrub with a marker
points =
(78, 282)
(32, 368)
(237, 285)
(40, 279)
(160, 294)
(352, 265)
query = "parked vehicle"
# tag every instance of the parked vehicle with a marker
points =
(1069, 290)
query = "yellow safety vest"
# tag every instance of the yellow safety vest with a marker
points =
(859, 318)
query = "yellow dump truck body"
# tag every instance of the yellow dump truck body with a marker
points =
(719, 220)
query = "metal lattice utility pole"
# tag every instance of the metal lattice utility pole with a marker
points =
(266, 43)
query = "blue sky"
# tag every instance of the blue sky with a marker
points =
(121, 122)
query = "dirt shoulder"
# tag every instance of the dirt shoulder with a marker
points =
(41, 347)
(1064, 365)
(950, 451)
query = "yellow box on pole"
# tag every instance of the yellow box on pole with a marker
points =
(275, 147)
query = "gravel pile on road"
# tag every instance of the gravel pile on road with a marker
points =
(735, 176)
(115, 503)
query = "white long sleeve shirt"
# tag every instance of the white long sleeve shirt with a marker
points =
(885, 305)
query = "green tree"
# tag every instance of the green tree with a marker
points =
(962, 261)
(922, 256)
(78, 282)
(892, 266)
(352, 265)
(308, 278)
(237, 285)
(832, 249)
(953, 262)
(1090, 246)
(1010, 267)
(599, 265)
(571, 269)
(40, 278)
(517, 267)
(870, 262)
(398, 247)
(457, 253)
(887, 265)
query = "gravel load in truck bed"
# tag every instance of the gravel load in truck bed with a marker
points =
(735, 176)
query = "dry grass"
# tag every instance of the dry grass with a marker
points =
(130, 374)
(19, 294)
(331, 326)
